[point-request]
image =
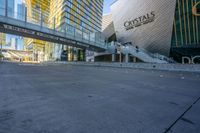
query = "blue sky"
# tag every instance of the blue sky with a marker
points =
(107, 6)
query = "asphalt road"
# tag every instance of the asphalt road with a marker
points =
(78, 99)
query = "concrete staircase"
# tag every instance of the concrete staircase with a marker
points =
(142, 54)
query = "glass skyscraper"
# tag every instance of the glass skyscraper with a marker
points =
(85, 16)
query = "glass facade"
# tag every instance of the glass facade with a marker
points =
(21, 11)
(38, 13)
(85, 16)
(15, 9)
(11, 8)
(37, 10)
(186, 30)
(2, 7)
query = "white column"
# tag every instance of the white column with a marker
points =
(113, 57)
(126, 58)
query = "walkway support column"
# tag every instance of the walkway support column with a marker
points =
(134, 59)
(76, 54)
(126, 58)
(84, 55)
(113, 57)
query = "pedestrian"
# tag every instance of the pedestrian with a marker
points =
(137, 48)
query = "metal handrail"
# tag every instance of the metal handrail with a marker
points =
(150, 57)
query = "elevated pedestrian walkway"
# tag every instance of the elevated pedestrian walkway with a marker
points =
(65, 34)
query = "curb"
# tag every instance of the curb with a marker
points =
(147, 66)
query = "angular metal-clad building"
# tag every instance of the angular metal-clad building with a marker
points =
(158, 26)
(108, 27)
(131, 23)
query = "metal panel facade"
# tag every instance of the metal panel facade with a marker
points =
(149, 23)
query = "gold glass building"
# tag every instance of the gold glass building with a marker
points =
(84, 15)
(37, 10)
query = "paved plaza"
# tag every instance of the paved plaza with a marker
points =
(36, 98)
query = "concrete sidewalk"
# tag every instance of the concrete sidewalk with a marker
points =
(148, 66)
